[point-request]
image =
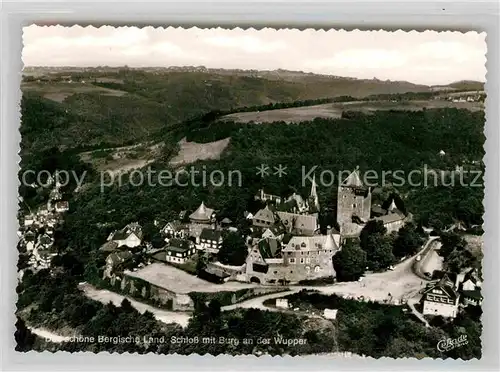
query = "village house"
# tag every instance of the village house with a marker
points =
(29, 219)
(44, 242)
(210, 240)
(282, 303)
(177, 251)
(29, 240)
(264, 218)
(302, 258)
(55, 194)
(43, 211)
(175, 229)
(272, 232)
(394, 219)
(130, 236)
(114, 260)
(61, 206)
(471, 288)
(442, 297)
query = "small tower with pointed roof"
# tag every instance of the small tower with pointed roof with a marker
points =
(392, 207)
(313, 197)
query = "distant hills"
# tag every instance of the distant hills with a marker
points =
(89, 106)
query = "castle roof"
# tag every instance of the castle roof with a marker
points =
(353, 180)
(298, 221)
(312, 243)
(269, 248)
(391, 217)
(265, 214)
(203, 213)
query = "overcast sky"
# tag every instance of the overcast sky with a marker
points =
(419, 57)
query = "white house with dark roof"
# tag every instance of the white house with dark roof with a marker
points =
(130, 236)
(442, 298)
(175, 229)
(29, 239)
(62, 206)
(177, 251)
(29, 219)
(471, 288)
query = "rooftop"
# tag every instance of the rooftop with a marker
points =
(353, 180)
(298, 221)
(203, 213)
(210, 234)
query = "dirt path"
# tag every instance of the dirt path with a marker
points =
(48, 335)
(396, 286)
(105, 296)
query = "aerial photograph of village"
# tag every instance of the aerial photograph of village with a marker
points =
(262, 192)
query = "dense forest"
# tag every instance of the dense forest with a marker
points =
(384, 140)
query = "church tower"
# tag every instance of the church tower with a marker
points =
(313, 197)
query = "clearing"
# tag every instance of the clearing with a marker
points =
(59, 91)
(334, 110)
(178, 281)
(192, 151)
(122, 159)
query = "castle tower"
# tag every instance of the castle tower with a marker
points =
(353, 200)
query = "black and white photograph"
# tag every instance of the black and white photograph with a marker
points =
(237, 191)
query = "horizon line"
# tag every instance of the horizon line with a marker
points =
(248, 70)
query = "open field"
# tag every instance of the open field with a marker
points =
(121, 159)
(178, 281)
(58, 92)
(334, 110)
(191, 151)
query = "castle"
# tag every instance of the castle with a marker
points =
(354, 208)
(289, 247)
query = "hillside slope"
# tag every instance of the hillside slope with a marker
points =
(150, 102)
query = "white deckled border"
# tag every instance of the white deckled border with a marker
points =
(347, 16)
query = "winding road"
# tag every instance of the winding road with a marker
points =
(397, 286)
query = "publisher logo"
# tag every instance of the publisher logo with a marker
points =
(448, 344)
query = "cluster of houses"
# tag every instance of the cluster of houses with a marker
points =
(285, 244)
(448, 291)
(182, 240)
(36, 233)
